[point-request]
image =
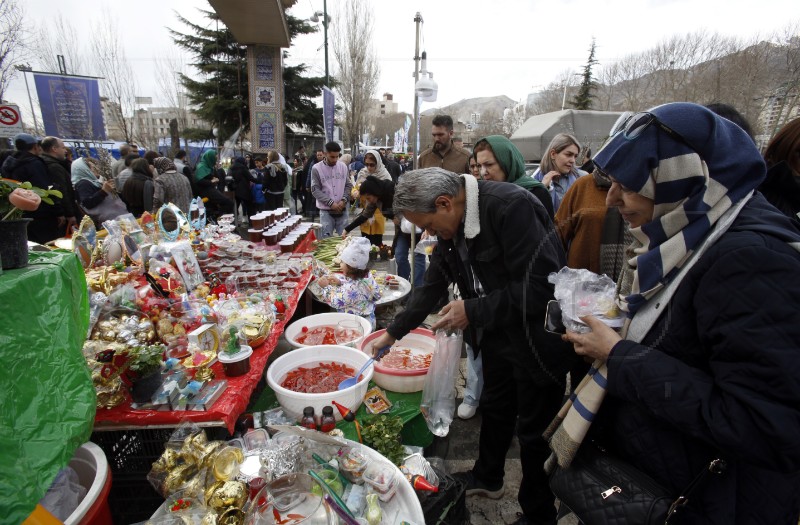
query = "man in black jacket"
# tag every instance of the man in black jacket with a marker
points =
(496, 243)
(392, 167)
(53, 154)
(25, 165)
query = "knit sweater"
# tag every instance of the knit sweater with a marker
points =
(579, 222)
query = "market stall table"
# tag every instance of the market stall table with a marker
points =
(231, 403)
(132, 439)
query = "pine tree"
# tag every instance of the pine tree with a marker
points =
(222, 96)
(583, 99)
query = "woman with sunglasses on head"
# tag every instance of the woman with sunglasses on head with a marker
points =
(558, 170)
(373, 226)
(706, 366)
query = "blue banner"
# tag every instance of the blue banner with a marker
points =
(328, 103)
(70, 106)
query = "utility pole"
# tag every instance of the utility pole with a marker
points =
(418, 21)
(325, 26)
(415, 165)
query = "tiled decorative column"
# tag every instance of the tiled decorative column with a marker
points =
(265, 78)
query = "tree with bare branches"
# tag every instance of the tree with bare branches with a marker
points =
(358, 71)
(118, 82)
(13, 43)
(58, 36)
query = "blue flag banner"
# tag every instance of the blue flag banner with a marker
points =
(70, 106)
(328, 103)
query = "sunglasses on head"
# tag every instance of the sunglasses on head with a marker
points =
(634, 126)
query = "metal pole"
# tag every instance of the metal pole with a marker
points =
(564, 98)
(418, 20)
(325, 26)
(30, 100)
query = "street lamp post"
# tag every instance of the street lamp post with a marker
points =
(325, 21)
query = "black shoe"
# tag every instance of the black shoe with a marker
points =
(475, 487)
(521, 519)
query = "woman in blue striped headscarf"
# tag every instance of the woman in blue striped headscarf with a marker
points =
(708, 362)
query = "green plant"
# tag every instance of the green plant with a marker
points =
(12, 206)
(233, 341)
(382, 433)
(145, 359)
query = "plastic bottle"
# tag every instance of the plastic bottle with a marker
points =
(308, 418)
(328, 422)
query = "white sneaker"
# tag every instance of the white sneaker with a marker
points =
(466, 411)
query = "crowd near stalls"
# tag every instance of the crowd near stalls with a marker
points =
(622, 280)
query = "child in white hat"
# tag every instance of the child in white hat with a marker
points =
(356, 291)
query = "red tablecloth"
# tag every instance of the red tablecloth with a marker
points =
(233, 401)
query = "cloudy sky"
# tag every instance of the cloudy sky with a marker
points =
(475, 47)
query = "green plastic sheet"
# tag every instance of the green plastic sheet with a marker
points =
(47, 401)
(406, 406)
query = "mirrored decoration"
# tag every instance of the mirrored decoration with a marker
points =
(83, 249)
(88, 230)
(113, 250)
(197, 214)
(170, 221)
(132, 249)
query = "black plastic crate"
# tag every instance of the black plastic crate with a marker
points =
(131, 454)
(131, 451)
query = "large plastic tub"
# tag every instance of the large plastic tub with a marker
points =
(91, 465)
(421, 342)
(310, 356)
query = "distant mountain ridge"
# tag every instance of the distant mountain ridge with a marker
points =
(463, 109)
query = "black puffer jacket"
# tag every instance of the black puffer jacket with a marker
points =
(719, 375)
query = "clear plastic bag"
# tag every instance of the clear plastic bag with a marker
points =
(426, 245)
(438, 402)
(580, 293)
(64, 495)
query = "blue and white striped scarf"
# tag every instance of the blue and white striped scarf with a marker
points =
(692, 190)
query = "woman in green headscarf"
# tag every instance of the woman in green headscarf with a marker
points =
(206, 166)
(206, 184)
(501, 161)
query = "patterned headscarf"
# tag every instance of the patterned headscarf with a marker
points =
(163, 164)
(690, 186)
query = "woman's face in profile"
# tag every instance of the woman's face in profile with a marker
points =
(635, 209)
(565, 159)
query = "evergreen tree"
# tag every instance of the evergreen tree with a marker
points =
(583, 99)
(222, 96)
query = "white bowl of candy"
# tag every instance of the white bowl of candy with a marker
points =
(321, 329)
(310, 377)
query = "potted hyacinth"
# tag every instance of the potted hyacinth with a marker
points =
(15, 199)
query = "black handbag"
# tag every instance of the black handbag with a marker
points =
(602, 489)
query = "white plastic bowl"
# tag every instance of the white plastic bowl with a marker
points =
(420, 341)
(295, 329)
(310, 356)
